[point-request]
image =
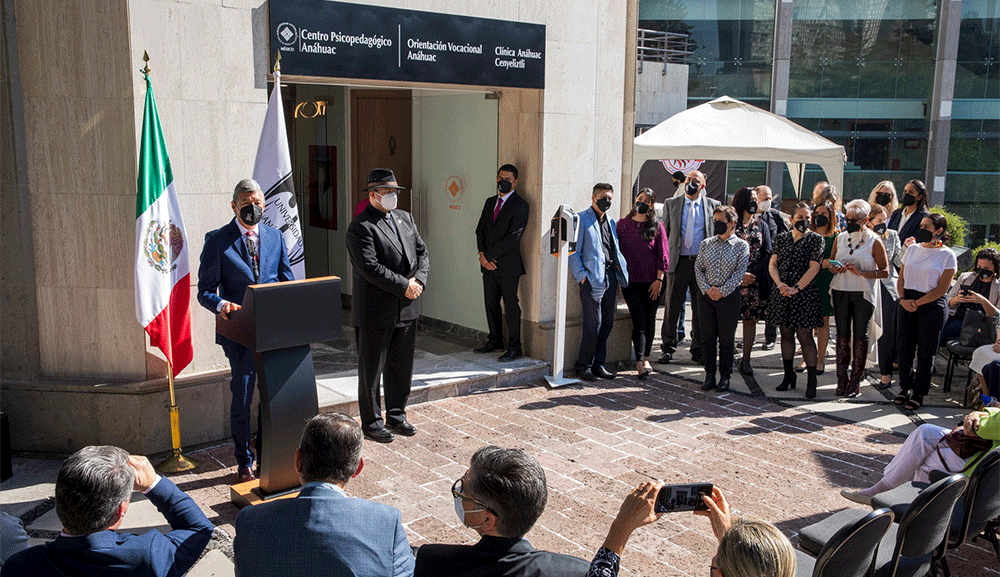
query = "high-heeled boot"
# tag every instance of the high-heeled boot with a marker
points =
(789, 381)
(843, 363)
(811, 383)
(858, 368)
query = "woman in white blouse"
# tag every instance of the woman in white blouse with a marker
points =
(862, 260)
(928, 268)
(889, 297)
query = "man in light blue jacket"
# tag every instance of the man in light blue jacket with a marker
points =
(323, 531)
(599, 268)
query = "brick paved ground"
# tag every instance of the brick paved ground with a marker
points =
(596, 442)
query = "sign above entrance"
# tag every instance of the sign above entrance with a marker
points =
(341, 40)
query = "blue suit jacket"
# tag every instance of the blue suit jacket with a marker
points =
(225, 270)
(588, 260)
(912, 224)
(111, 554)
(321, 532)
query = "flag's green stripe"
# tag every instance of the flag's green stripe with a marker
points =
(154, 166)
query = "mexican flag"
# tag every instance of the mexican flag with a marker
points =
(162, 276)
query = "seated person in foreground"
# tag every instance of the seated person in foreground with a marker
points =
(922, 453)
(501, 496)
(323, 531)
(747, 547)
(93, 490)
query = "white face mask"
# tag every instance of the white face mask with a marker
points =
(388, 200)
(764, 206)
(461, 512)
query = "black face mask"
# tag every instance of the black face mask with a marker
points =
(504, 186)
(603, 204)
(692, 189)
(250, 214)
(883, 198)
(984, 274)
(880, 228)
(909, 200)
(801, 225)
(752, 208)
(853, 226)
(821, 220)
(641, 207)
(924, 235)
(720, 227)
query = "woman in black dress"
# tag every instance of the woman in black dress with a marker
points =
(753, 291)
(794, 306)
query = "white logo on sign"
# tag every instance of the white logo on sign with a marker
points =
(287, 33)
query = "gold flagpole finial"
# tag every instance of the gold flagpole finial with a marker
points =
(145, 58)
(277, 62)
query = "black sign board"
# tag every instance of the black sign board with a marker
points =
(341, 40)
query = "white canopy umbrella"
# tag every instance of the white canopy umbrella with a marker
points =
(728, 129)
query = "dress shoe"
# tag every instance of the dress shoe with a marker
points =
(768, 345)
(488, 347)
(401, 428)
(665, 358)
(586, 375)
(856, 497)
(510, 355)
(602, 373)
(723, 385)
(709, 382)
(379, 436)
(245, 474)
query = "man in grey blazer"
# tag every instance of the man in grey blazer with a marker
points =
(323, 531)
(688, 221)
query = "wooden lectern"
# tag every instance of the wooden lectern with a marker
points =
(277, 322)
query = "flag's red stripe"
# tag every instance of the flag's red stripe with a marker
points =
(170, 331)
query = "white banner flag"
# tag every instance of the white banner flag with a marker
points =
(273, 171)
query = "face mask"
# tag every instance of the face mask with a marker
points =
(909, 200)
(250, 214)
(764, 206)
(883, 198)
(692, 189)
(801, 225)
(461, 512)
(603, 204)
(504, 186)
(984, 274)
(924, 235)
(720, 227)
(641, 207)
(821, 220)
(853, 227)
(880, 228)
(752, 207)
(388, 200)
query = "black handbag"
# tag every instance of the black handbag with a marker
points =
(977, 329)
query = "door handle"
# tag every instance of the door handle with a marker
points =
(392, 145)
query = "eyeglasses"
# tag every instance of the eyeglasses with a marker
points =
(457, 491)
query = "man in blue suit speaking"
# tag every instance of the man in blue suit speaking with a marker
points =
(323, 531)
(242, 253)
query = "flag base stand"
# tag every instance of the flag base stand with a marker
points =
(556, 382)
(177, 463)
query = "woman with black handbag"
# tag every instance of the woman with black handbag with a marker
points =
(926, 450)
(977, 290)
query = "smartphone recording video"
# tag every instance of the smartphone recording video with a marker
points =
(673, 498)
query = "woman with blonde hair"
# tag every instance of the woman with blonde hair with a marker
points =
(884, 195)
(747, 547)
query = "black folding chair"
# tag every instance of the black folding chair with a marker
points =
(851, 551)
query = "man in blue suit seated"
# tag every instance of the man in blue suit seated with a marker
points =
(93, 489)
(323, 531)
(242, 253)
(599, 269)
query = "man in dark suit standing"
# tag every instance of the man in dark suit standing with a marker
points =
(242, 253)
(390, 270)
(687, 220)
(93, 491)
(498, 238)
(323, 531)
(776, 224)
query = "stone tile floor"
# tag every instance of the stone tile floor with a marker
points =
(779, 463)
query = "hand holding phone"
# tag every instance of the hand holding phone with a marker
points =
(686, 497)
(836, 264)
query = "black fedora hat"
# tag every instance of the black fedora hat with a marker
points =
(381, 177)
